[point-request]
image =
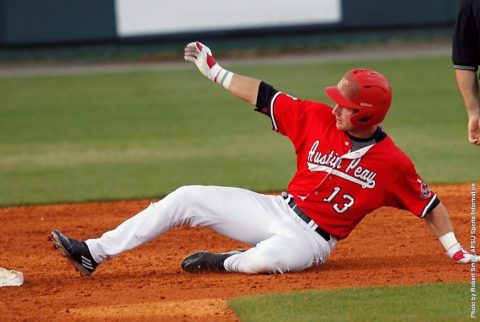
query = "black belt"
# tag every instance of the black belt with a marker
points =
(309, 221)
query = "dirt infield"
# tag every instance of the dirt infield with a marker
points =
(389, 247)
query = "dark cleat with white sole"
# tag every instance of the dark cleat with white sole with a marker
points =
(206, 262)
(76, 251)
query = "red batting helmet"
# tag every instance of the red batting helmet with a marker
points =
(367, 92)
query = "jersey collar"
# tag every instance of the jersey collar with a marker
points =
(376, 137)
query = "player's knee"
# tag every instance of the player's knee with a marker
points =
(187, 194)
(188, 197)
(181, 205)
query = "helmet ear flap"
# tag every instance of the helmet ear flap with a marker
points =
(373, 99)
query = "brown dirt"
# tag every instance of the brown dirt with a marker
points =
(389, 247)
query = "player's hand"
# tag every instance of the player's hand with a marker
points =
(201, 55)
(461, 256)
(474, 130)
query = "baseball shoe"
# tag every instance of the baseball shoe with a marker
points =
(205, 262)
(76, 251)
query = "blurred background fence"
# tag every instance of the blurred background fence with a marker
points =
(124, 28)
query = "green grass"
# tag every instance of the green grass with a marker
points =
(142, 134)
(422, 303)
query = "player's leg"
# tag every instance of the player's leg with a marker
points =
(237, 213)
(283, 241)
(293, 248)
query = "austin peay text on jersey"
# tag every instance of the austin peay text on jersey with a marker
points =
(332, 162)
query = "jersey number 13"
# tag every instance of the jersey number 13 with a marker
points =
(348, 201)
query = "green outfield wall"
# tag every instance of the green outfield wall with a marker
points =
(55, 22)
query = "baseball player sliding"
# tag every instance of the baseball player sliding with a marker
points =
(347, 166)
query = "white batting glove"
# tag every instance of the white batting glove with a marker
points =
(201, 55)
(458, 254)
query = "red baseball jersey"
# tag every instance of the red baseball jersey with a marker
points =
(335, 187)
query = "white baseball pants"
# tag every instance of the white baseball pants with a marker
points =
(282, 241)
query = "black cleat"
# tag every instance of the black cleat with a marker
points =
(205, 262)
(76, 251)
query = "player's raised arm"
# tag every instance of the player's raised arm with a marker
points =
(439, 223)
(243, 87)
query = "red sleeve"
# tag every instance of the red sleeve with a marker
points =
(411, 193)
(286, 111)
(292, 116)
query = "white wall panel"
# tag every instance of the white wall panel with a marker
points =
(148, 17)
